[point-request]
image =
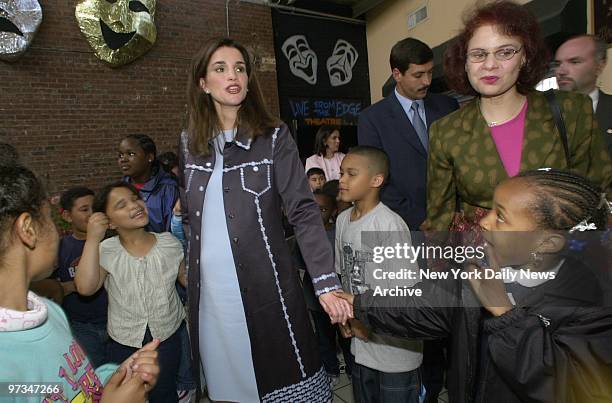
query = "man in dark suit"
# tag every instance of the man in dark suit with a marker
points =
(393, 126)
(579, 62)
(398, 125)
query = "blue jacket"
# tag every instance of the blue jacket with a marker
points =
(160, 194)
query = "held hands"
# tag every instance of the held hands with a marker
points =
(339, 310)
(490, 291)
(96, 226)
(121, 389)
(143, 365)
(345, 296)
(353, 328)
(135, 377)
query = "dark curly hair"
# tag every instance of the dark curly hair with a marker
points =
(71, 195)
(168, 160)
(563, 199)
(20, 192)
(100, 203)
(510, 19)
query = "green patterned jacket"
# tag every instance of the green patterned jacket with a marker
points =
(463, 158)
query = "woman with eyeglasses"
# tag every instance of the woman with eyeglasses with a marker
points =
(508, 127)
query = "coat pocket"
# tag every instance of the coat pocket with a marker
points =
(255, 179)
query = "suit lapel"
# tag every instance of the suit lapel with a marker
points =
(403, 125)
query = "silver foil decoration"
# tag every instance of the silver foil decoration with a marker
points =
(118, 31)
(19, 21)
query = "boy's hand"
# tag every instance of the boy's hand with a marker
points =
(345, 296)
(143, 363)
(359, 330)
(97, 226)
(345, 330)
(119, 389)
(337, 309)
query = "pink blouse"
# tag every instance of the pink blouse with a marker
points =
(330, 166)
(508, 138)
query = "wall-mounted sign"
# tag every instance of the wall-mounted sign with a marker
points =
(317, 112)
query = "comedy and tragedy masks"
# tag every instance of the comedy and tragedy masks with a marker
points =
(19, 21)
(302, 59)
(118, 31)
(340, 64)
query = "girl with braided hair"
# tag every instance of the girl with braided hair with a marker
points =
(531, 324)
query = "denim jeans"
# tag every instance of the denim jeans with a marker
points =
(184, 378)
(326, 338)
(372, 386)
(165, 389)
(434, 362)
(93, 338)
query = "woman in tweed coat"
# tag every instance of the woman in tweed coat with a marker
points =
(499, 57)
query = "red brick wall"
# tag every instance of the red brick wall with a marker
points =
(66, 111)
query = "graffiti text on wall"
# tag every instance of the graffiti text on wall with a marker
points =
(325, 111)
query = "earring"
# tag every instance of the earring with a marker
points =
(207, 91)
(536, 259)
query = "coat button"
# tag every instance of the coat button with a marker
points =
(201, 188)
(244, 290)
(235, 239)
(226, 189)
(197, 213)
(231, 216)
(197, 237)
(241, 266)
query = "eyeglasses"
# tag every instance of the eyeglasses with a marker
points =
(480, 55)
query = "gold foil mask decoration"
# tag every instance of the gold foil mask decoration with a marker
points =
(19, 21)
(119, 31)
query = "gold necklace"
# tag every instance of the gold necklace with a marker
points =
(494, 123)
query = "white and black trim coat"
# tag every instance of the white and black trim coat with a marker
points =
(261, 179)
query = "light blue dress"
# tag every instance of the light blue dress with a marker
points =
(224, 339)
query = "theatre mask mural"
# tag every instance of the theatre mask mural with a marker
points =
(119, 31)
(19, 21)
(340, 64)
(302, 59)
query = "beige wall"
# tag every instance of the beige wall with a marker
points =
(388, 23)
(605, 79)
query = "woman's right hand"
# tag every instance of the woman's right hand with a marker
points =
(97, 226)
